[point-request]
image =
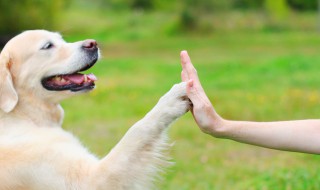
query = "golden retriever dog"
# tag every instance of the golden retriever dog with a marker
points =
(38, 69)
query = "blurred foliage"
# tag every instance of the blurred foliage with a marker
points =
(134, 4)
(193, 14)
(142, 4)
(248, 4)
(302, 5)
(187, 20)
(208, 5)
(276, 9)
(19, 15)
(196, 16)
(203, 5)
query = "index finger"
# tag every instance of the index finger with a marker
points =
(188, 69)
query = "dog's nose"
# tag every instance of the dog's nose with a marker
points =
(89, 45)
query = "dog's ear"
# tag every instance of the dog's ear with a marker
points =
(8, 94)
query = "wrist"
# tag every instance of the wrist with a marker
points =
(218, 128)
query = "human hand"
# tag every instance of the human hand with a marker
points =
(203, 112)
(296, 135)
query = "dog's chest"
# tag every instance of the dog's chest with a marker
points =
(29, 155)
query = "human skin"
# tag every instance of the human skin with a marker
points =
(295, 135)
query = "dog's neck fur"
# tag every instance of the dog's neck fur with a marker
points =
(39, 112)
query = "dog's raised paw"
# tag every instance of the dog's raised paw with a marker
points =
(175, 103)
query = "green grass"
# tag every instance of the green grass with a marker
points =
(255, 75)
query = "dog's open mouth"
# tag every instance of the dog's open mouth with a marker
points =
(73, 82)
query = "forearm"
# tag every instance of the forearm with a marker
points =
(298, 136)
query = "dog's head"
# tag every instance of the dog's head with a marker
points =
(42, 64)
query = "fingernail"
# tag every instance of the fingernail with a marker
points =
(184, 53)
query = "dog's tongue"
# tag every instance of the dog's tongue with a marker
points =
(75, 78)
(80, 78)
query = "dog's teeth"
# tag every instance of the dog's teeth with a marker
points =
(85, 78)
(57, 78)
(62, 80)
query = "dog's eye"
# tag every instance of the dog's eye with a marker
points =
(48, 45)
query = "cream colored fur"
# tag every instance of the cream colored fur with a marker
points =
(37, 154)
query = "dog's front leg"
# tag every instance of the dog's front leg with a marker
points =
(137, 158)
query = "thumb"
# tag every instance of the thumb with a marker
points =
(196, 94)
(192, 92)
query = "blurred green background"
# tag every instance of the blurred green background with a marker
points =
(258, 60)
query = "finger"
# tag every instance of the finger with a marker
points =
(195, 87)
(184, 76)
(184, 58)
(189, 70)
(187, 65)
(192, 93)
(196, 94)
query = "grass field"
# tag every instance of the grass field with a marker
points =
(248, 75)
